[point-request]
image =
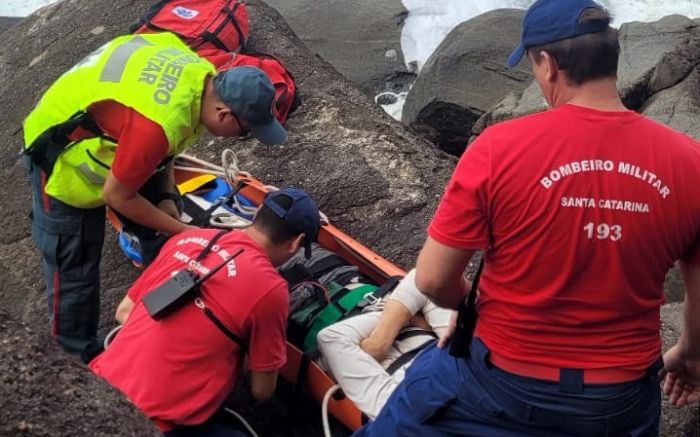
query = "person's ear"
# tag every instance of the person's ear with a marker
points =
(550, 65)
(297, 242)
(221, 113)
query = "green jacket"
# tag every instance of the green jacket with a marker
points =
(155, 74)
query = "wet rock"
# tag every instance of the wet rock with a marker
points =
(465, 77)
(361, 39)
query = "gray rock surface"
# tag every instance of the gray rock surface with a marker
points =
(465, 77)
(677, 105)
(44, 392)
(7, 22)
(361, 39)
(648, 47)
(681, 422)
(655, 58)
(371, 177)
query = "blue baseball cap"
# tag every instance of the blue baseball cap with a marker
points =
(249, 93)
(553, 20)
(302, 215)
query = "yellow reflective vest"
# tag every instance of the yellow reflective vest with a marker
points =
(155, 74)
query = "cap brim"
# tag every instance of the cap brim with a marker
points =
(515, 57)
(271, 133)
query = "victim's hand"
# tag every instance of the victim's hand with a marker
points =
(445, 336)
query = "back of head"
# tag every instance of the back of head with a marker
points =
(576, 34)
(287, 213)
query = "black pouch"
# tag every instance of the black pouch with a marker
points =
(45, 149)
(170, 295)
(466, 320)
(464, 331)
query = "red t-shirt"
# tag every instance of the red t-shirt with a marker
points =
(179, 370)
(142, 143)
(582, 213)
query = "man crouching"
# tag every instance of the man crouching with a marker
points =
(180, 368)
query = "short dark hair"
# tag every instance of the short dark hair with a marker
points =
(585, 57)
(275, 227)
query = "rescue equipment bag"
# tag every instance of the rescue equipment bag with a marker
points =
(287, 99)
(204, 25)
(323, 290)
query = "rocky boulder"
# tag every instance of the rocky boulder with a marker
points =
(656, 72)
(361, 39)
(465, 77)
(372, 178)
(655, 56)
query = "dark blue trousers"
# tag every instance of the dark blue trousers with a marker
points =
(70, 241)
(221, 424)
(447, 396)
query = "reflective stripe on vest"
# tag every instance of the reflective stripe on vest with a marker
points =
(155, 74)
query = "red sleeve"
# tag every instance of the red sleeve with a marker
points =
(135, 293)
(268, 326)
(461, 219)
(142, 146)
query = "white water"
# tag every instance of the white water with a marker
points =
(429, 21)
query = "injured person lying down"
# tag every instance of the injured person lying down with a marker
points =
(366, 348)
(368, 354)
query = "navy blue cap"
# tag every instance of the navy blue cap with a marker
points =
(301, 216)
(553, 20)
(249, 93)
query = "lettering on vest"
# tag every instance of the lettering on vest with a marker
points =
(164, 70)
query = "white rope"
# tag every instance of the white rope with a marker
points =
(200, 170)
(249, 428)
(228, 221)
(110, 337)
(324, 410)
(194, 161)
(230, 171)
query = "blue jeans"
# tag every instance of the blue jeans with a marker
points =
(70, 241)
(447, 396)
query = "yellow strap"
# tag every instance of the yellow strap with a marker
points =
(196, 182)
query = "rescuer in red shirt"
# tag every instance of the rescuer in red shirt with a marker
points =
(179, 369)
(581, 211)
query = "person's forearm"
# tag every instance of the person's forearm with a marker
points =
(141, 211)
(394, 317)
(690, 339)
(446, 295)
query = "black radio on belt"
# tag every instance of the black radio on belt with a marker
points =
(182, 287)
(466, 320)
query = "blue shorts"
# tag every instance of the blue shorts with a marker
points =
(447, 396)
